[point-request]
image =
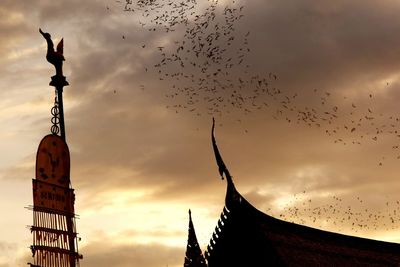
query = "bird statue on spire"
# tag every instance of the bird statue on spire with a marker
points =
(54, 57)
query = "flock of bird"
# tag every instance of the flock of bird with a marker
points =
(206, 72)
(206, 68)
(336, 215)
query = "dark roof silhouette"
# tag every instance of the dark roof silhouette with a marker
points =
(194, 257)
(246, 237)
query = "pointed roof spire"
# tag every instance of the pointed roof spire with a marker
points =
(194, 256)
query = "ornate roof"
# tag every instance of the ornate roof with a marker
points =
(246, 237)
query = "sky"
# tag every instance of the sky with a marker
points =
(305, 97)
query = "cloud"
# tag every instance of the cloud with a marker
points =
(123, 139)
(5, 246)
(130, 133)
(152, 255)
(128, 138)
(6, 252)
(13, 26)
(325, 44)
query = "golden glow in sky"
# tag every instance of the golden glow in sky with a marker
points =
(140, 148)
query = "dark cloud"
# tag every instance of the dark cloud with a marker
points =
(106, 63)
(118, 126)
(325, 44)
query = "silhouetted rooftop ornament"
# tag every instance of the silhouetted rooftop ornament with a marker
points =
(55, 57)
(221, 165)
(224, 170)
(194, 256)
(246, 237)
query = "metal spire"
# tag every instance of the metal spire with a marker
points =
(56, 58)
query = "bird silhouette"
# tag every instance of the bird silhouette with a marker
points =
(55, 57)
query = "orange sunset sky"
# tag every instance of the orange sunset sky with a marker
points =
(307, 115)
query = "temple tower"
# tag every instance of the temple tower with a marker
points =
(54, 225)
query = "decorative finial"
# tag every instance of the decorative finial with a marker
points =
(56, 58)
(221, 165)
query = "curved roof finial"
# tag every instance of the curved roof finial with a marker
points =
(221, 165)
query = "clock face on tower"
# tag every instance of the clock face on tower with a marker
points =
(52, 161)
